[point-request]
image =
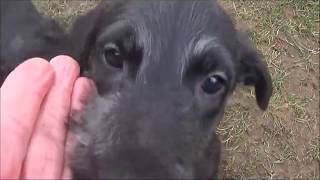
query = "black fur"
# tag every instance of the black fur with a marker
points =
(26, 34)
(153, 116)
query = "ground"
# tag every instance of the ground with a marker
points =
(284, 141)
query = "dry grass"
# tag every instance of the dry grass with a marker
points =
(64, 11)
(282, 142)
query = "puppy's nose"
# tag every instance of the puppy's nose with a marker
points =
(144, 162)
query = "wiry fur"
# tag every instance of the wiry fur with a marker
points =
(160, 124)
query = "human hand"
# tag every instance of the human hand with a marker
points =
(36, 101)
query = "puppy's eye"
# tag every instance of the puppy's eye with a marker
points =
(213, 84)
(113, 56)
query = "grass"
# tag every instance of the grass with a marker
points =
(282, 142)
(64, 11)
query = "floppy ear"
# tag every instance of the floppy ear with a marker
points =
(253, 71)
(86, 29)
(83, 35)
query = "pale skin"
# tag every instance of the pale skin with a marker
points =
(37, 100)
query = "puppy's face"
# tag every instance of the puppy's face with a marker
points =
(164, 70)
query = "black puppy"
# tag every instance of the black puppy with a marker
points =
(25, 34)
(163, 70)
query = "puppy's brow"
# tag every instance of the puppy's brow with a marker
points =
(118, 28)
(197, 48)
(204, 44)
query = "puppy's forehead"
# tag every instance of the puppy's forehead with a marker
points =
(170, 32)
(165, 22)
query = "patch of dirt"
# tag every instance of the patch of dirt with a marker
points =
(284, 141)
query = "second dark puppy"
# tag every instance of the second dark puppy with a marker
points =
(24, 33)
(164, 70)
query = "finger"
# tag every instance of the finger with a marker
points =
(46, 150)
(80, 96)
(66, 174)
(21, 96)
(70, 142)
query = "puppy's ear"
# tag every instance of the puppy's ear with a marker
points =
(83, 35)
(253, 71)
